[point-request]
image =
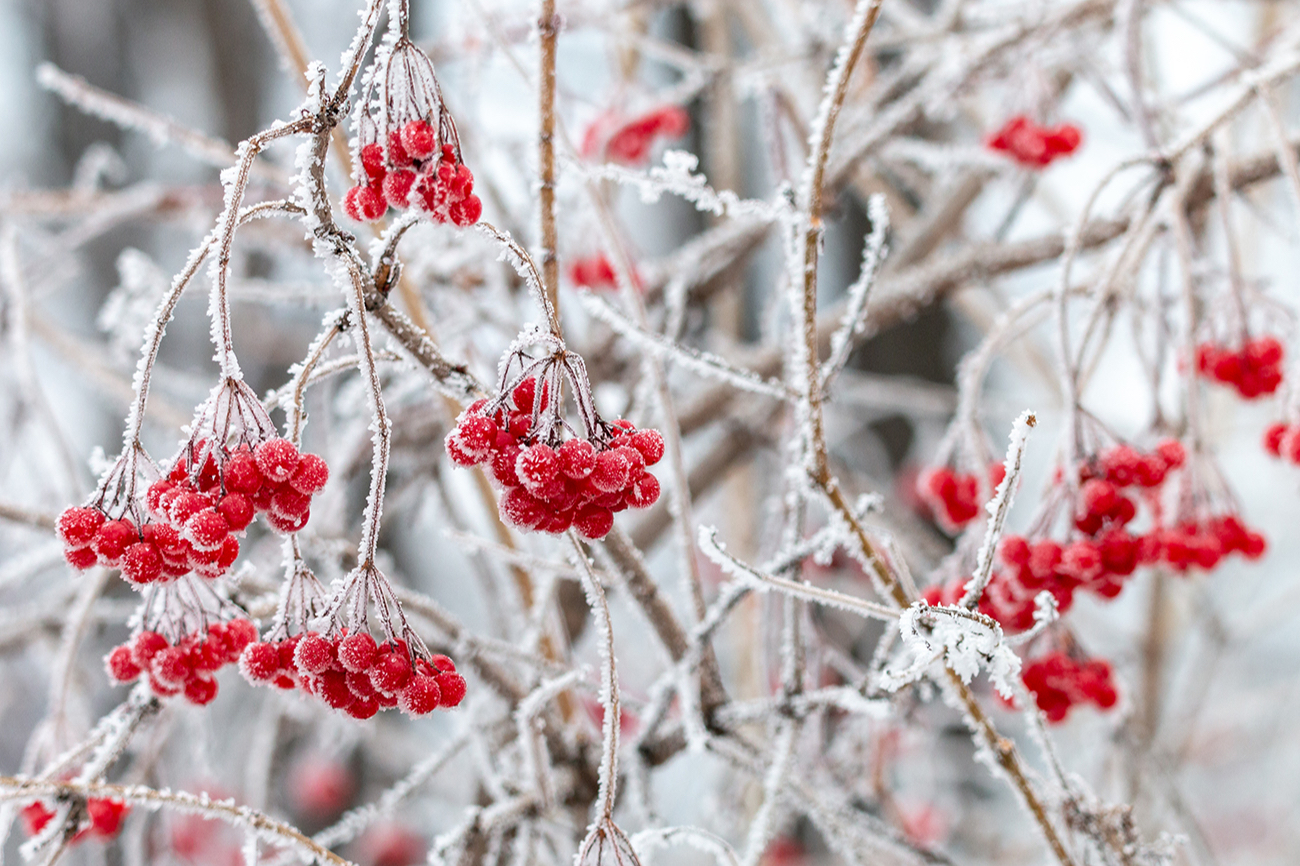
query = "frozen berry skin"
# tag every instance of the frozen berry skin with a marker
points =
(310, 475)
(357, 652)
(242, 474)
(121, 666)
(276, 459)
(171, 666)
(610, 472)
(81, 557)
(651, 445)
(77, 526)
(206, 529)
(420, 696)
(419, 139)
(452, 687)
(200, 690)
(112, 540)
(314, 654)
(390, 672)
(260, 662)
(593, 522)
(142, 563)
(363, 708)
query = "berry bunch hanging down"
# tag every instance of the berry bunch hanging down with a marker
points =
(955, 497)
(1059, 682)
(1254, 370)
(407, 150)
(1033, 145)
(186, 666)
(354, 674)
(553, 478)
(191, 518)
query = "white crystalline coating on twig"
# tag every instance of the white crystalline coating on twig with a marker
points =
(704, 363)
(678, 176)
(160, 129)
(649, 842)
(966, 643)
(998, 509)
(854, 322)
(717, 552)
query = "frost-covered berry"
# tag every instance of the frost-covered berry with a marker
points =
(241, 474)
(593, 522)
(276, 459)
(364, 203)
(260, 662)
(357, 652)
(200, 690)
(536, 466)
(314, 654)
(142, 563)
(77, 526)
(390, 672)
(237, 511)
(206, 529)
(452, 688)
(310, 475)
(610, 472)
(420, 696)
(171, 666)
(651, 445)
(121, 666)
(112, 539)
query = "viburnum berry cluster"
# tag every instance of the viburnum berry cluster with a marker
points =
(353, 673)
(954, 497)
(1033, 145)
(104, 813)
(1059, 682)
(185, 666)
(550, 483)
(408, 153)
(628, 142)
(196, 511)
(1254, 370)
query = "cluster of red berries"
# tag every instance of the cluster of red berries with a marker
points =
(1059, 682)
(352, 673)
(1283, 440)
(105, 818)
(629, 142)
(196, 514)
(593, 272)
(412, 171)
(579, 484)
(186, 667)
(1205, 543)
(954, 498)
(1032, 145)
(1254, 370)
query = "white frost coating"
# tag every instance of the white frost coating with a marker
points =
(717, 552)
(158, 128)
(678, 177)
(648, 842)
(966, 642)
(857, 295)
(704, 363)
(761, 828)
(998, 509)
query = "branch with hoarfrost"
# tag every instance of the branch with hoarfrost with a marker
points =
(999, 508)
(702, 363)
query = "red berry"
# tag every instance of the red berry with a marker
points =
(523, 395)
(206, 529)
(35, 817)
(357, 651)
(112, 539)
(536, 466)
(77, 526)
(106, 815)
(363, 708)
(452, 687)
(577, 458)
(242, 474)
(314, 654)
(142, 563)
(593, 522)
(418, 139)
(521, 509)
(200, 690)
(397, 187)
(186, 505)
(467, 212)
(644, 491)
(288, 524)
(420, 696)
(276, 459)
(171, 667)
(611, 471)
(289, 503)
(260, 662)
(390, 672)
(333, 690)
(121, 666)
(237, 510)
(651, 445)
(372, 162)
(145, 646)
(80, 557)
(311, 474)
